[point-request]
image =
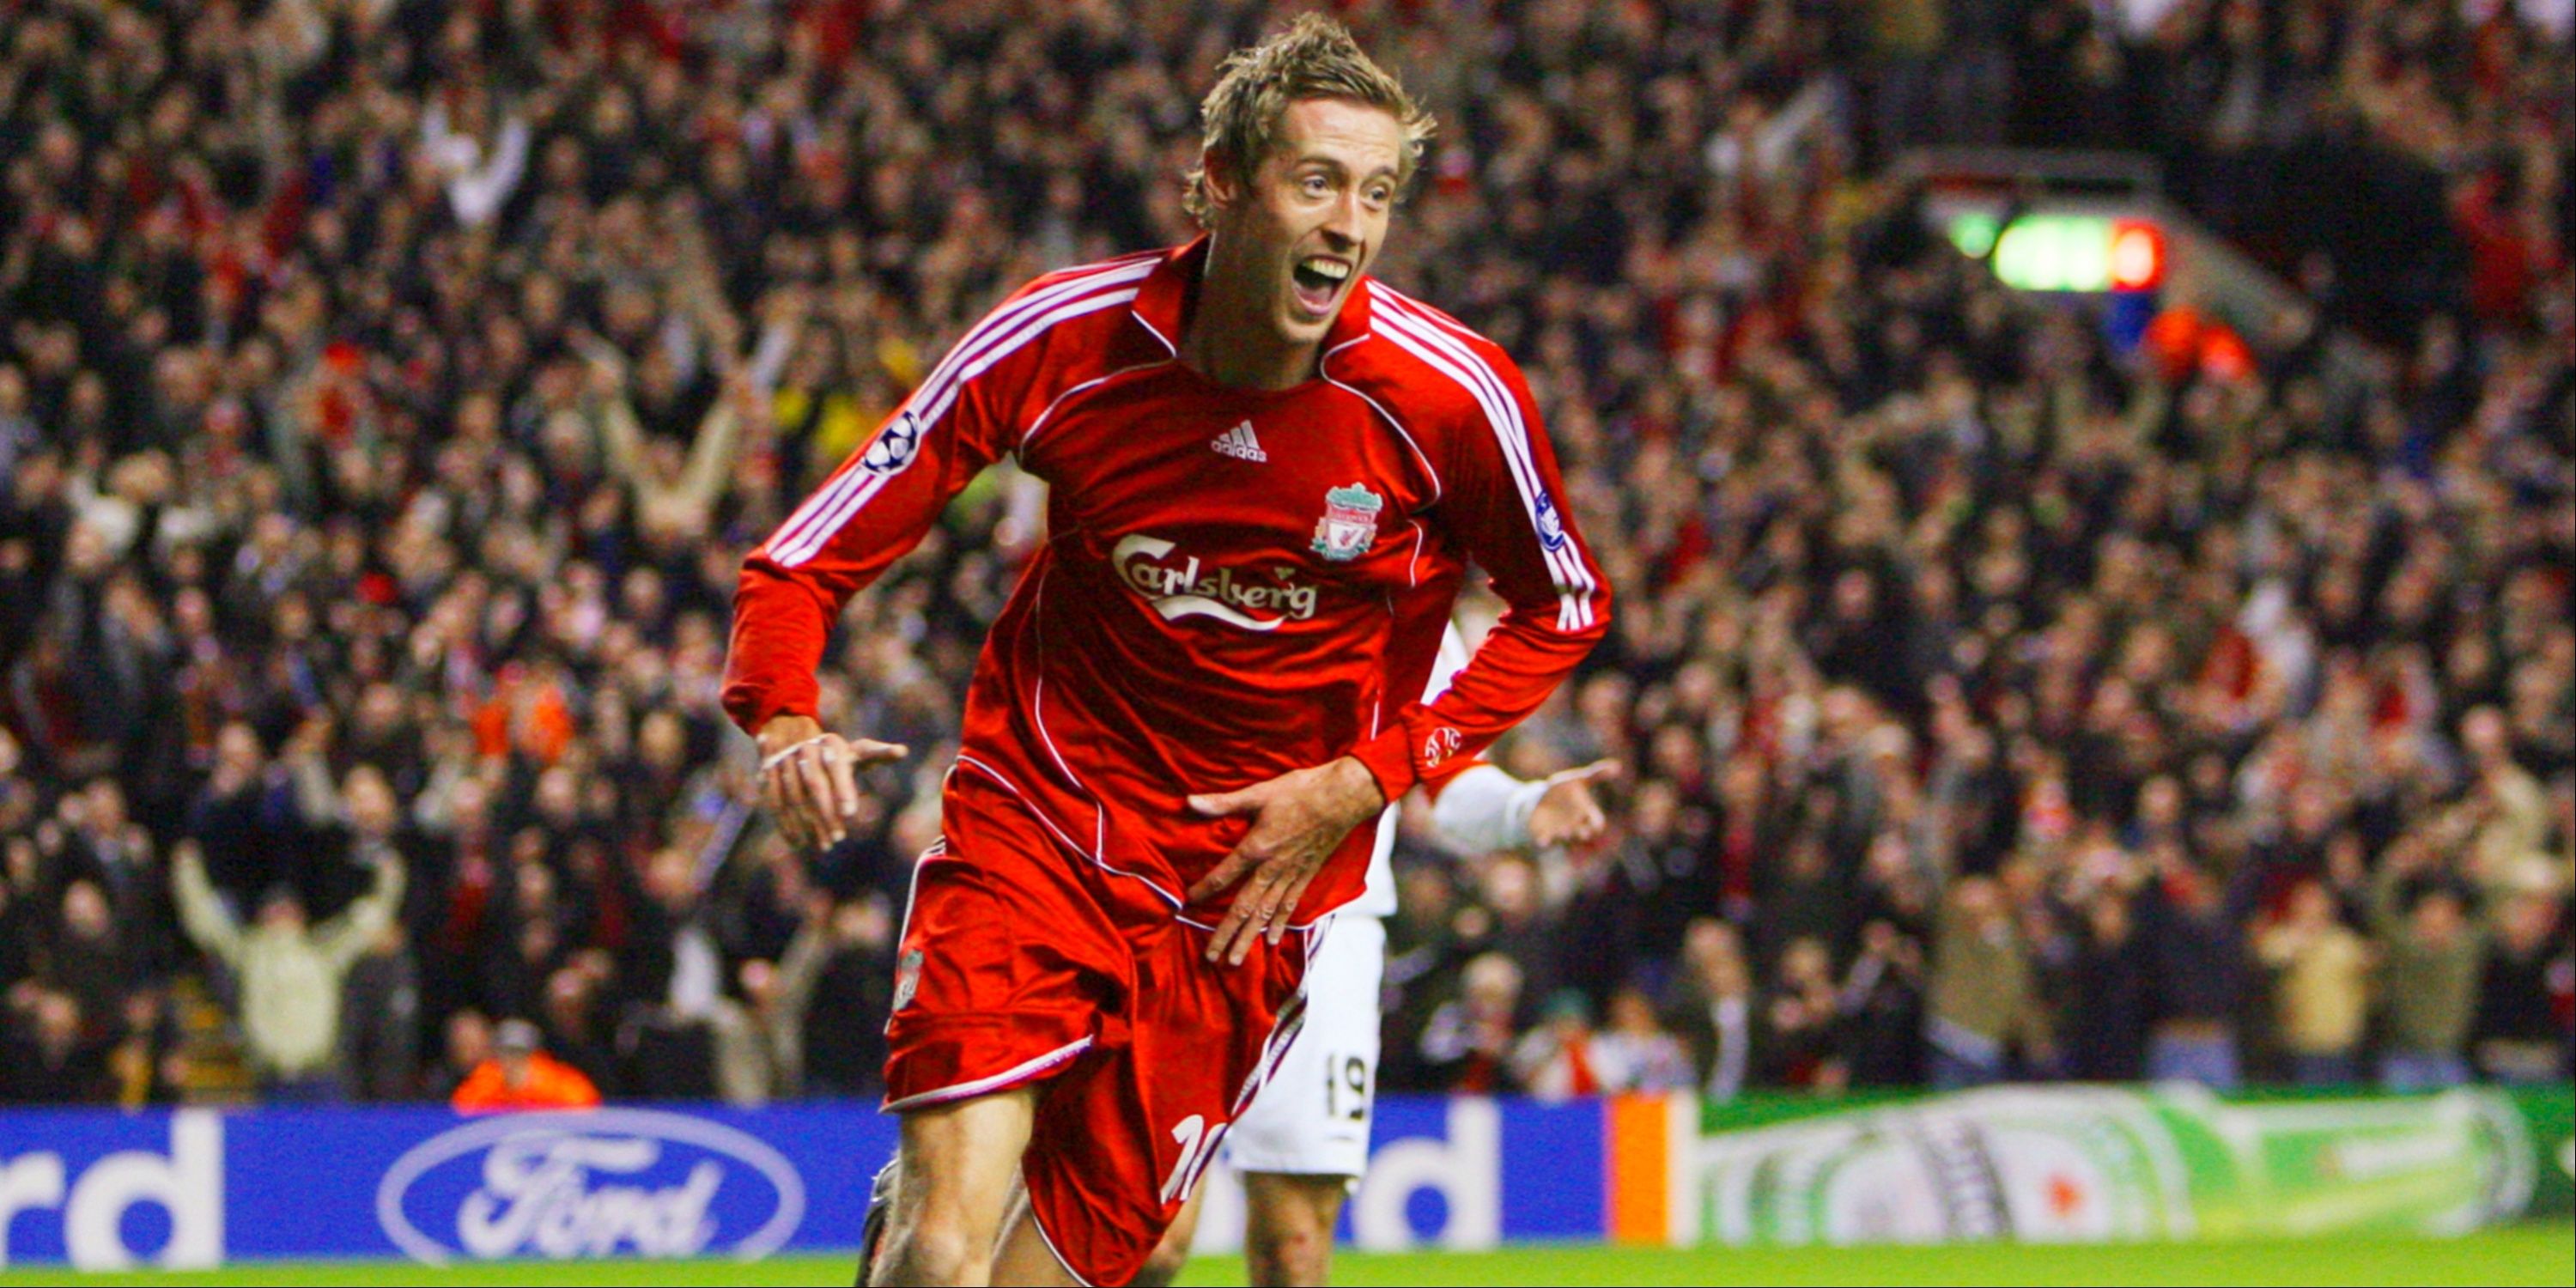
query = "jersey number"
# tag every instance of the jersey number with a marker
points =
(1198, 1149)
(1346, 1081)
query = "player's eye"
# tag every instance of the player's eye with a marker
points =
(1380, 195)
(1315, 185)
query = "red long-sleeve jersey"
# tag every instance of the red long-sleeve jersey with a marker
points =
(1236, 583)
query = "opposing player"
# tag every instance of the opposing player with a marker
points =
(1268, 473)
(1303, 1142)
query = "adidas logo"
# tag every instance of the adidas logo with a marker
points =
(1240, 444)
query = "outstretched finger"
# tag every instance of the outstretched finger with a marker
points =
(815, 776)
(1242, 920)
(1249, 918)
(866, 752)
(845, 781)
(777, 784)
(1221, 804)
(1225, 874)
(1288, 901)
(1222, 937)
(802, 804)
(1602, 768)
(1588, 820)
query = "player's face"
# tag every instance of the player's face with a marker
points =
(1315, 213)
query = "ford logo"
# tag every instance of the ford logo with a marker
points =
(589, 1184)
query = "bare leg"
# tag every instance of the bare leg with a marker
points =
(1288, 1230)
(1165, 1265)
(958, 1165)
(1024, 1257)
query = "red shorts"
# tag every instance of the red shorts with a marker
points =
(1023, 961)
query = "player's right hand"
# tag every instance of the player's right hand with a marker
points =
(810, 778)
(1569, 814)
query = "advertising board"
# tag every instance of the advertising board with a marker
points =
(194, 1188)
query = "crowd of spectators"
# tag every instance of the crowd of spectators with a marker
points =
(2378, 153)
(389, 390)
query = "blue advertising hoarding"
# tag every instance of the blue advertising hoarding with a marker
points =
(200, 1187)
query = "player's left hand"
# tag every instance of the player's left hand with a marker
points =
(1297, 820)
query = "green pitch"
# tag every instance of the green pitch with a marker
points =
(2520, 1255)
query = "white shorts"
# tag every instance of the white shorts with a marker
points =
(1312, 1117)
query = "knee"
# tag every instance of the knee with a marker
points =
(1161, 1268)
(1290, 1256)
(1291, 1230)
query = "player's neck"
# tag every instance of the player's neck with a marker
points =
(1228, 340)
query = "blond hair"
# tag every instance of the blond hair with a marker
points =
(1315, 57)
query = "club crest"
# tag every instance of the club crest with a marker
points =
(907, 979)
(1349, 525)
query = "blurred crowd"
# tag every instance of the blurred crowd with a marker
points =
(2380, 154)
(389, 390)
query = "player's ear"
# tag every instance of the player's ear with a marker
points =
(1224, 183)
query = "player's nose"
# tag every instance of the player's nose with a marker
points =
(1347, 225)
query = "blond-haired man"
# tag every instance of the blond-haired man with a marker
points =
(1268, 475)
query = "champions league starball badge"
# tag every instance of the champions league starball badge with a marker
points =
(1349, 525)
(894, 448)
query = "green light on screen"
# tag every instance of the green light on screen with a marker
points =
(2055, 253)
(1973, 234)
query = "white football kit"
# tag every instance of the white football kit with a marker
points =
(1312, 1117)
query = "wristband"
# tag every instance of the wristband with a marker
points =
(775, 761)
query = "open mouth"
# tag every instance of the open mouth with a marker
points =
(1318, 278)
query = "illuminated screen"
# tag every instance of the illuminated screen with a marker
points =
(2066, 252)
